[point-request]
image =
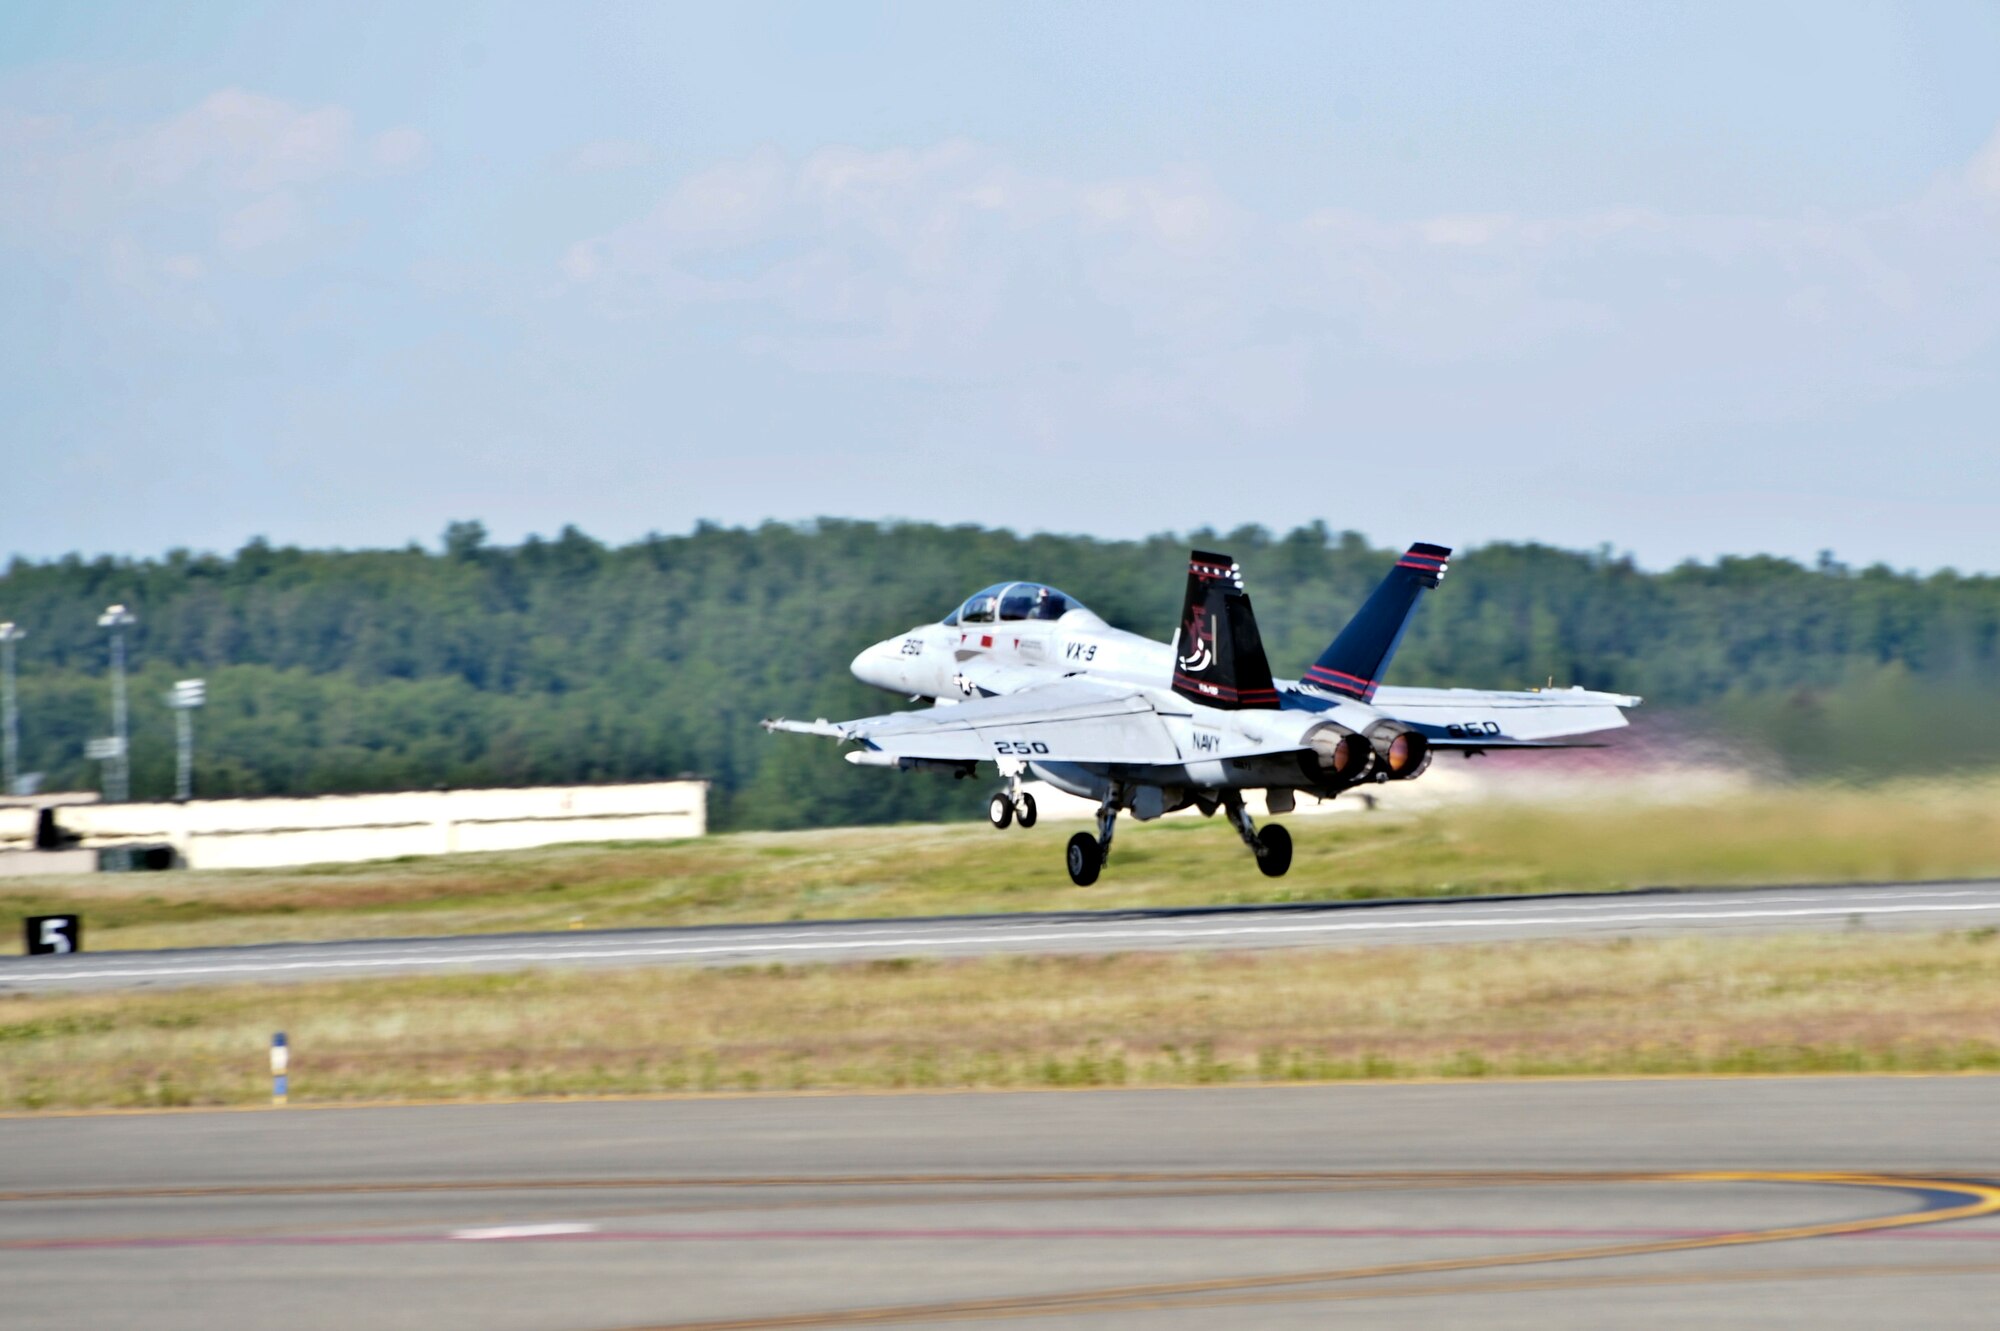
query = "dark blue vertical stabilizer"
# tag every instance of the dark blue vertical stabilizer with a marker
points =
(1353, 666)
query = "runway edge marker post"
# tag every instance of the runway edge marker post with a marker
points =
(281, 1059)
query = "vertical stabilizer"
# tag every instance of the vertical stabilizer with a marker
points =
(1353, 666)
(1219, 657)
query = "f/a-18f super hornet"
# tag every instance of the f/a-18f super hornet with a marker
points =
(1028, 679)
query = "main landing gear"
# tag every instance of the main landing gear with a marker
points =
(1087, 853)
(1272, 846)
(1011, 807)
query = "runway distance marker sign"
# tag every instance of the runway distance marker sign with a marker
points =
(50, 934)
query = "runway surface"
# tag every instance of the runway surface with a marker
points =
(1831, 1202)
(1945, 905)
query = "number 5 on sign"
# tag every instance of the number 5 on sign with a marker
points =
(53, 933)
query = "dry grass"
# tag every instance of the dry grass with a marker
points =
(1800, 835)
(1845, 1002)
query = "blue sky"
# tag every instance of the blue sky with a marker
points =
(1682, 280)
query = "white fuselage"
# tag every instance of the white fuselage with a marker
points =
(952, 661)
(1219, 748)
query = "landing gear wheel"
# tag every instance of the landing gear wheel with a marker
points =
(1000, 811)
(1085, 859)
(1024, 809)
(1275, 850)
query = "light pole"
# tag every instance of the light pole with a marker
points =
(118, 770)
(188, 694)
(10, 712)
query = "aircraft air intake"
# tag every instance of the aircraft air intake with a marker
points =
(1354, 665)
(1219, 656)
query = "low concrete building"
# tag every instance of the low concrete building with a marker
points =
(274, 831)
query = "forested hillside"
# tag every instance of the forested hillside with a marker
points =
(569, 660)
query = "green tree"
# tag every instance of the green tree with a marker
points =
(572, 660)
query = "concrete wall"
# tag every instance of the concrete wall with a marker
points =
(27, 863)
(261, 833)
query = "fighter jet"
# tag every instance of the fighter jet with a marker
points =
(1027, 678)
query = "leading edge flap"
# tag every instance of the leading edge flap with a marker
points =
(1219, 657)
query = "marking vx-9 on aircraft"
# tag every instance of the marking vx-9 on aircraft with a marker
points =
(1027, 678)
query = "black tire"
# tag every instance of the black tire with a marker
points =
(1000, 811)
(1085, 859)
(1024, 810)
(1277, 852)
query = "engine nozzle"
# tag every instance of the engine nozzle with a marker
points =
(1335, 756)
(1399, 752)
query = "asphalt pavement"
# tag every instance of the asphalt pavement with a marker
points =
(1834, 1202)
(1939, 905)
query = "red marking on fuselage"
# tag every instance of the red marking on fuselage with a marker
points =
(1223, 691)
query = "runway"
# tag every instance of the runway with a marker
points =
(1942, 905)
(1841, 1202)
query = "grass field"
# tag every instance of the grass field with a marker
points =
(1794, 835)
(1846, 1001)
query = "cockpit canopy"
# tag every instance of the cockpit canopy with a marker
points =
(1013, 600)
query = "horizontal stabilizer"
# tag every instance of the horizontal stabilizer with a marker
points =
(1481, 745)
(1480, 719)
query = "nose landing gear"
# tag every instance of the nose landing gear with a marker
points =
(1011, 806)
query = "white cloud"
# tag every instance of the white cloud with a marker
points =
(731, 202)
(1981, 175)
(238, 171)
(233, 141)
(606, 155)
(400, 149)
(184, 267)
(1160, 302)
(267, 220)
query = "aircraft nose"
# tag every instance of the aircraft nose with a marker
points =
(881, 665)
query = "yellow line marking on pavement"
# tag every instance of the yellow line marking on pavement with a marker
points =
(1983, 1200)
(1445, 1289)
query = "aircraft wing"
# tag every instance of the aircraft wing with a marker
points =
(1069, 720)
